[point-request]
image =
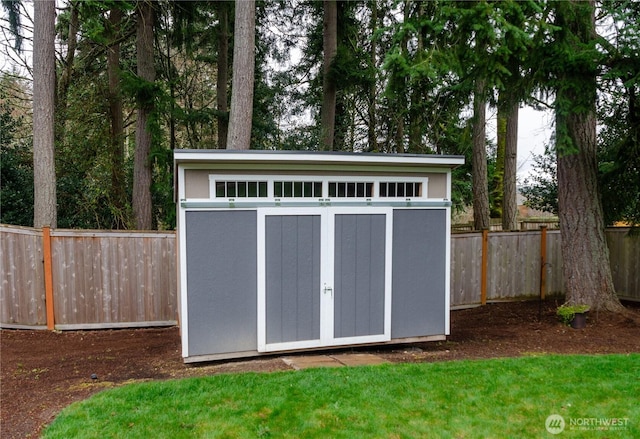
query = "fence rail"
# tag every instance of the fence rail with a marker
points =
(496, 225)
(129, 279)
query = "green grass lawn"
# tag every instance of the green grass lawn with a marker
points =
(500, 398)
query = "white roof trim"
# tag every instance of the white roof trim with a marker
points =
(315, 158)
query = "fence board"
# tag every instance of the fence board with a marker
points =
(114, 279)
(22, 296)
(466, 258)
(514, 265)
(624, 254)
(555, 284)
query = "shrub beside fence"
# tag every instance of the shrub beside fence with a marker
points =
(129, 279)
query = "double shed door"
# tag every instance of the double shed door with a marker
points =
(324, 277)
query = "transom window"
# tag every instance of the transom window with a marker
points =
(241, 189)
(350, 189)
(407, 189)
(319, 188)
(297, 189)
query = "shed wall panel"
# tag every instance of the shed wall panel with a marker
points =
(418, 284)
(222, 281)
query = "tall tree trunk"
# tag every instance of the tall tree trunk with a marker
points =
(329, 87)
(586, 267)
(415, 122)
(479, 160)
(116, 138)
(169, 72)
(44, 90)
(416, 110)
(401, 88)
(141, 159)
(505, 203)
(509, 194)
(65, 77)
(497, 191)
(241, 114)
(223, 73)
(373, 88)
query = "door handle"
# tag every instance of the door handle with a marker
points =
(328, 290)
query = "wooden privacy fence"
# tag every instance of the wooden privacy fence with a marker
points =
(504, 266)
(88, 279)
(128, 279)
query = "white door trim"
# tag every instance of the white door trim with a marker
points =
(326, 287)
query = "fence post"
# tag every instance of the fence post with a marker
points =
(48, 276)
(485, 263)
(543, 261)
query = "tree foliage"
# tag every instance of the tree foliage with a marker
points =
(404, 72)
(16, 155)
(541, 188)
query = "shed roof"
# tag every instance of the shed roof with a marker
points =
(269, 158)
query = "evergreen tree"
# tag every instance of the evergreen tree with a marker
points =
(44, 89)
(586, 267)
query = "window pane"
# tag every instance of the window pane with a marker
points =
(351, 190)
(252, 189)
(410, 189)
(220, 189)
(317, 189)
(332, 190)
(297, 189)
(231, 189)
(242, 189)
(369, 192)
(360, 190)
(263, 188)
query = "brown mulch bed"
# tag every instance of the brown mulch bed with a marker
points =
(42, 371)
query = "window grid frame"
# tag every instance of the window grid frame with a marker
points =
(316, 187)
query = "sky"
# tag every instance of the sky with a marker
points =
(534, 132)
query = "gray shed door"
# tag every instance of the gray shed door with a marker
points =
(326, 279)
(359, 275)
(292, 278)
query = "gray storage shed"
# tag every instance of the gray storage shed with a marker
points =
(282, 251)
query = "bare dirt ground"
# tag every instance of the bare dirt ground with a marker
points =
(42, 371)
